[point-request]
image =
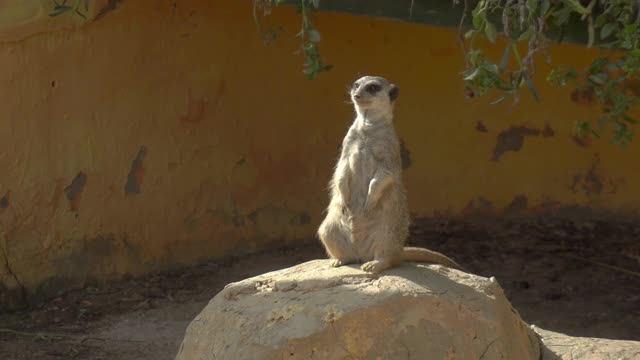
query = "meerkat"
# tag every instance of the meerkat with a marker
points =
(367, 220)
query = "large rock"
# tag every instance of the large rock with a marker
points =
(315, 311)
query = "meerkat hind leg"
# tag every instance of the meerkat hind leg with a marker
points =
(385, 256)
(376, 266)
(336, 243)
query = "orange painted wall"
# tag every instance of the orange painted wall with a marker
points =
(235, 147)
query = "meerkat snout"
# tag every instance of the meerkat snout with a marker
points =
(373, 91)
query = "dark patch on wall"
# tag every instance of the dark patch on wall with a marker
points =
(478, 206)
(53, 83)
(580, 142)
(305, 218)
(91, 261)
(518, 204)
(195, 110)
(301, 219)
(583, 97)
(548, 131)
(405, 155)
(74, 190)
(4, 201)
(136, 173)
(111, 6)
(11, 298)
(590, 183)
(480, 127)
(512, 140)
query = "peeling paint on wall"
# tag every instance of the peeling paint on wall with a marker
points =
(548, 131)
(4, 201)
(583, 97)
(511, 140)
(74, 190)
(590, 182)
(136, 174)
(517, 205)
(478, 206)
(481, 127)
(580, 142)
(110, 6)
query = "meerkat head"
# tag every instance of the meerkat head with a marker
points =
(374, 93)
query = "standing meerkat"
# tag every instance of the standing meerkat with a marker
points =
(368, 218)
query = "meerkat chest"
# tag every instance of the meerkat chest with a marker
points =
(362, 158)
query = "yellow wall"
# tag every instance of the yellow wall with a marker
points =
(237, 146)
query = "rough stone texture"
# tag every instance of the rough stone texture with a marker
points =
(315, 311)
(563, 347)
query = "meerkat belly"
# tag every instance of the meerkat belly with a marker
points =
(362, 166)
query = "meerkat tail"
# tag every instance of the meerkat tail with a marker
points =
(415, 254)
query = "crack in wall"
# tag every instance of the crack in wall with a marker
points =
(5, 258)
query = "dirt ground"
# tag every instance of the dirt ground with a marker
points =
(573, 277)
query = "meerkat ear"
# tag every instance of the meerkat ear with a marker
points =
(394, 92)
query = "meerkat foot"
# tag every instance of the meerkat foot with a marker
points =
(336, 262)
(375, 266)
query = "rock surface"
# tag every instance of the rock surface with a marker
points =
(558, 346)
(415, 311)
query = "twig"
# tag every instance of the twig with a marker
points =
(612, 267)
(461, 32)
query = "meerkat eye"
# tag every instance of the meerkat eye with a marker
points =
(373, 88)
(356, 86)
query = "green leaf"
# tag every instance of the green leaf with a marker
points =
(601, 20)
(505, 58)
(562, 16)
(473, 56)
(469, 33)
(314, 35)
(629, 119)
(478, 18)
(532, 5)
(599, 79)
(525, 35)
(607, 30)
(576, 6)
(473, 75)
(545, 7)
(499, 100)
(491, 67)
(490, 31)
(530, 85)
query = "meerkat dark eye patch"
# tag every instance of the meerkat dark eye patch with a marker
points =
(356, 86)
(373, 88)
(394, 93)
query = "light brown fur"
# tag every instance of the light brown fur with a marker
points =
(368, 218)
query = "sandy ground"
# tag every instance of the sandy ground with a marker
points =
(562, 275)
